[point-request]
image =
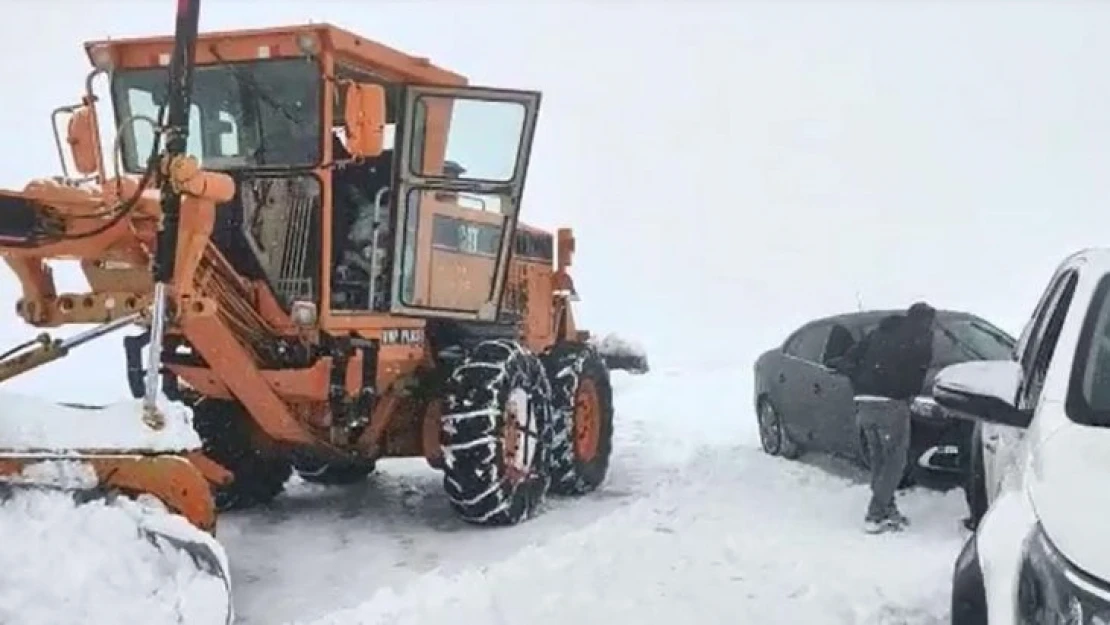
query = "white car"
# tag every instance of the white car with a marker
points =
(1041, 553)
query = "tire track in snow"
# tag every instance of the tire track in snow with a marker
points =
(317, 549)
(740, 538)
(694, 523)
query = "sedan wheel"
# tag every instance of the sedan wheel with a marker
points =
(770, 429)
(772, 435)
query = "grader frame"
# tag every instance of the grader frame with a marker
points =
(274, 363)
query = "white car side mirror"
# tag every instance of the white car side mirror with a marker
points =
(985, 390)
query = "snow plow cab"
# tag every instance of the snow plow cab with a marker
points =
(318, 239)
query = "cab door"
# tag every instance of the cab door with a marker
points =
(463, 159)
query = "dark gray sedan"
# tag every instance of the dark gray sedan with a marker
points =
(803, 405)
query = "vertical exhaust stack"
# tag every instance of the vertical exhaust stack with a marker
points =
(176, 140)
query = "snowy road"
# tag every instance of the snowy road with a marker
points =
(694, 525)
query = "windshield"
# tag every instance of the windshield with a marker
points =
(967, 338)
(253, 114)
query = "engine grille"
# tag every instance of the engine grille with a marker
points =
(280, 218)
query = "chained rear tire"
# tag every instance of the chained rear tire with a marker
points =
(229, 436)
(582, 418)
(494, 432)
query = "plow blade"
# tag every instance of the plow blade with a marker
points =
(111, 538)
(632, 363)
(621, 354)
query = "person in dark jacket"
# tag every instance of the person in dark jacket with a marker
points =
(887, 369)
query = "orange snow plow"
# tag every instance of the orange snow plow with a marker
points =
(170, 478)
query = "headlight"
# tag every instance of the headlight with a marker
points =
(1051, 591)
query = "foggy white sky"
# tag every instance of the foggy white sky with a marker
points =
(732, 169)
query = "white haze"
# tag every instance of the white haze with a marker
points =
(732, 169)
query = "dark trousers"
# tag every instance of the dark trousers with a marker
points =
(885, 424)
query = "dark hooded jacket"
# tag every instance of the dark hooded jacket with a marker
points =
(893, 360)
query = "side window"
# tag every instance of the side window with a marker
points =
(839, 342)
(809, 343)
(139, 138)
(1031, 334)
(1043, 339)
(229, 138)
(1093, 379)
(863, 330)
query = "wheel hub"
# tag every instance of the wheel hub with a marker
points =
(769, 432)
(519, 435)
(587, 421)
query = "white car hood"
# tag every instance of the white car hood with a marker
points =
(1068, 488)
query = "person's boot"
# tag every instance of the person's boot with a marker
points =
(896, 515)
(890, 520)
(881, 526)
(874, 524)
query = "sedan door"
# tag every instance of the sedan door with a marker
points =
(822, 400)
(797, 378)
(834, 409)
(834, 397)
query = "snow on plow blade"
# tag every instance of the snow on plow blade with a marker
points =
(105, 519)
(105, 547)
(621, 354)
(626, 362)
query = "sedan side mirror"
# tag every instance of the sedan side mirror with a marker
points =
(985, 390)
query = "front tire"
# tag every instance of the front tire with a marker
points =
(773, 436)
(229, 437)
(969, 596)
(494, 434)
(582, 418)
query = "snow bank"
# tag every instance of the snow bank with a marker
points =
(33, 424)
(93, 563)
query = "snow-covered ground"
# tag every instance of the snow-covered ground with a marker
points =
(695, 524)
